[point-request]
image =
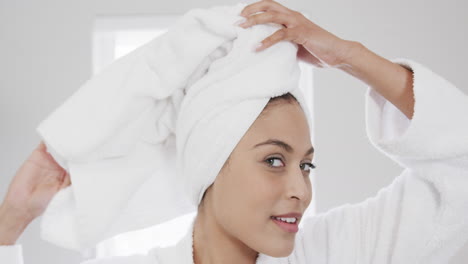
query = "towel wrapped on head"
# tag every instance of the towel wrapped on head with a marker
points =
(144, 138)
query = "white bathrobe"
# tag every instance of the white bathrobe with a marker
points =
(421, 217)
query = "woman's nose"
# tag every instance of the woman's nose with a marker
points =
(298, 185)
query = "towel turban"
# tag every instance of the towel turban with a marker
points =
(145, 137)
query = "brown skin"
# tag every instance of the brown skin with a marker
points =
(232, 228)
(234, 220)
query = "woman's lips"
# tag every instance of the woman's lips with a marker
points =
(288, 227)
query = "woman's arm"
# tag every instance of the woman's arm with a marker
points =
(12, 224)
(391, 80)
(321, 48)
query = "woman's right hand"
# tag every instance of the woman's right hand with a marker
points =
(316, 45)
(38, 179)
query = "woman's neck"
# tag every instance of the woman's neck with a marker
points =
(211, 243)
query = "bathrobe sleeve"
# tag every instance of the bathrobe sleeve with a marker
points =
(11, 254)
(422, 216)
(14, 255)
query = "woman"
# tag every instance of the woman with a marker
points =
(421, 217)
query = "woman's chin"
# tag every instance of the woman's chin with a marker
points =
(280, 249)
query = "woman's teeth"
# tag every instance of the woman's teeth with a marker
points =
(290, 220)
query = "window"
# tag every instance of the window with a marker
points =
(114, 37)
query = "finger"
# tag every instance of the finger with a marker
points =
(52, 177)
(41, 146)
(264, 5)
(268, 17)
(66, 181)
(279, 35)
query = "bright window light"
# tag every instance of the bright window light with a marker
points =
(113, 37)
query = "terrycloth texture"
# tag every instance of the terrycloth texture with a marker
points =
(421, 217)
(183, 100)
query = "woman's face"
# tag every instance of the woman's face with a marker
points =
(265, 180)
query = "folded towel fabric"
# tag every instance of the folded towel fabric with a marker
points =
(144, 138)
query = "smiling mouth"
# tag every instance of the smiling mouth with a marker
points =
(289, 220)
(287, 224)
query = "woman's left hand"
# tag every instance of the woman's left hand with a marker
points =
(316, 45)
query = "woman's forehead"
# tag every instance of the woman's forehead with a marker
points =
(286, 118)
(286, 123)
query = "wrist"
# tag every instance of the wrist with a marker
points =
(353, 51)
(361, 63)
(12, 224)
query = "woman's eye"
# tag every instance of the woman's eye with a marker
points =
(277, 162)
(311, 165)
(274, 159)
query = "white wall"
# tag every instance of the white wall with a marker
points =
(45, 55)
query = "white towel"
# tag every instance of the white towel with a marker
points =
(144, 138)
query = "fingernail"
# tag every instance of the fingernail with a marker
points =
(238, 22)
(257, 47)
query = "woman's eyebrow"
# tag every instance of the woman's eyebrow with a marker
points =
(283, 145)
